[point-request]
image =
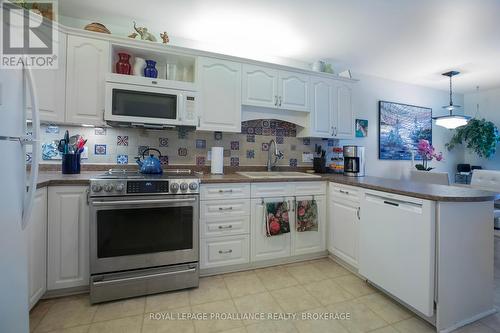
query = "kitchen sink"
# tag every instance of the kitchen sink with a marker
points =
(276, 174)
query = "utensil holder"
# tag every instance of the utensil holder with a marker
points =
(70, 163)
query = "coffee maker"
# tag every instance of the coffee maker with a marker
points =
(354, 161)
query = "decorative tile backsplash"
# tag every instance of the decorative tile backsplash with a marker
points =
(189, 147)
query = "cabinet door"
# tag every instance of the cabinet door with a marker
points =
(260, 86)
(293, 91)
(87, 64)
(50, 85)
(220, 94)
(322, 115)
(310, 241)
(344, 230)
(68, 236)
(263, 247)
(344, 114)
(36, 242)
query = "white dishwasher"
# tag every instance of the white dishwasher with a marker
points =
(397, 248)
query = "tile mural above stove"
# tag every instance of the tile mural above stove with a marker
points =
(186, 146)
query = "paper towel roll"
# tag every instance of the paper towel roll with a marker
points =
(217, 163)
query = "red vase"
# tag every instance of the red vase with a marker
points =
(123, 66)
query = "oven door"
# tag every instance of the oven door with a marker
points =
(143, 231)
(138, 104)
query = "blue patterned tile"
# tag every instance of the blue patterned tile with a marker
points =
(265, 146)
(217, 136)
(293, 162)
(280, 132)
(122, 159)
(164, 160)
(99, 131)
(200, 160)
(250, 138)
(235, 161)
(201, 144)
(182, 133)
(272, 124)
(258, 130)
(182, 151)
(250, 130)
(306, 141)
(266, 131)
(250, 153)
(141, 149)
(99, 149)
(52, 130)
(265, 124)
(331, 142)
(293, 133)
(122, 140)
(163, 142)
(235, 145)
(279, 140)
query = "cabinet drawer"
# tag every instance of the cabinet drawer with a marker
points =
(310, 188)
(345, 192)
(216, 209)
(223, 251)
(225, 226)
(264, 190)
(224, 191)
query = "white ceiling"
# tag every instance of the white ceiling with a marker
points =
(406, 40)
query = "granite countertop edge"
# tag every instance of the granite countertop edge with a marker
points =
(416, 190)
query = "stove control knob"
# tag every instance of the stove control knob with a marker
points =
(108, 187)
(96, 188)
(174, 187)
(193, 186)
(119, 187)
(184, 186)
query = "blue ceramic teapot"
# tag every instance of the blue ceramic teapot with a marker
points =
(151, 164)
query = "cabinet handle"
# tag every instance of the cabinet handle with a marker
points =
(225, 252)
(344, 192)
(280, 101)
(154, 82)
(228, 208)
(198, 121)
(226, 226)
(275, 100)
(225, 191)
(357, 213)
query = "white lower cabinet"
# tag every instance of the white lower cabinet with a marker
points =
(311, 241)
(36, 242)
(224, 251)
(344, 223)
(68, 237)
(264, 247)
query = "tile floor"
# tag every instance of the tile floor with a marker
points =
(311, 287)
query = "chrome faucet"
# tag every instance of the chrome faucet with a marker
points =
(276, 153)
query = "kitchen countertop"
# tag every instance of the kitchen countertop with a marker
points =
(412, 189)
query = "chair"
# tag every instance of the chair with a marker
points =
(488, 180)
(430, 177)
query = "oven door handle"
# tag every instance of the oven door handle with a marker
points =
(135, 278)
(146, 201)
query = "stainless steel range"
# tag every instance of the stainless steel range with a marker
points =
(143, 233)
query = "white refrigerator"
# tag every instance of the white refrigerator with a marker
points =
(17, 189)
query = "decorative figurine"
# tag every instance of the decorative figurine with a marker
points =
(133, 35)
(143, 32)
(164, 37)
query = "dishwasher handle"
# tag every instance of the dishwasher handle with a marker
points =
(391, 203)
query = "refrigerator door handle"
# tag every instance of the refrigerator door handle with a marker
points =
(34, 142)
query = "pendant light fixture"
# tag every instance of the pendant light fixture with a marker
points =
(451, 121)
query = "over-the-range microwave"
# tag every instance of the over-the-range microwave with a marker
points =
(145, 102)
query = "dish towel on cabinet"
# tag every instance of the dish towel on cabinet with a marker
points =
(307, 215)
(276, 218)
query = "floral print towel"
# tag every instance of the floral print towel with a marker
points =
(307, 215)
(276, 218)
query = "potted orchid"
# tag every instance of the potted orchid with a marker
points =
(428, 153)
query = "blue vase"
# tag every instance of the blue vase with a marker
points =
(150, 69)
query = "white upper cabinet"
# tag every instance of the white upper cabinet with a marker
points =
(344, 114)
(271, 88)
(50, 85)
(322, 117)
(294, 91)
(220, 95)
(260, 86)
(88, 61)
